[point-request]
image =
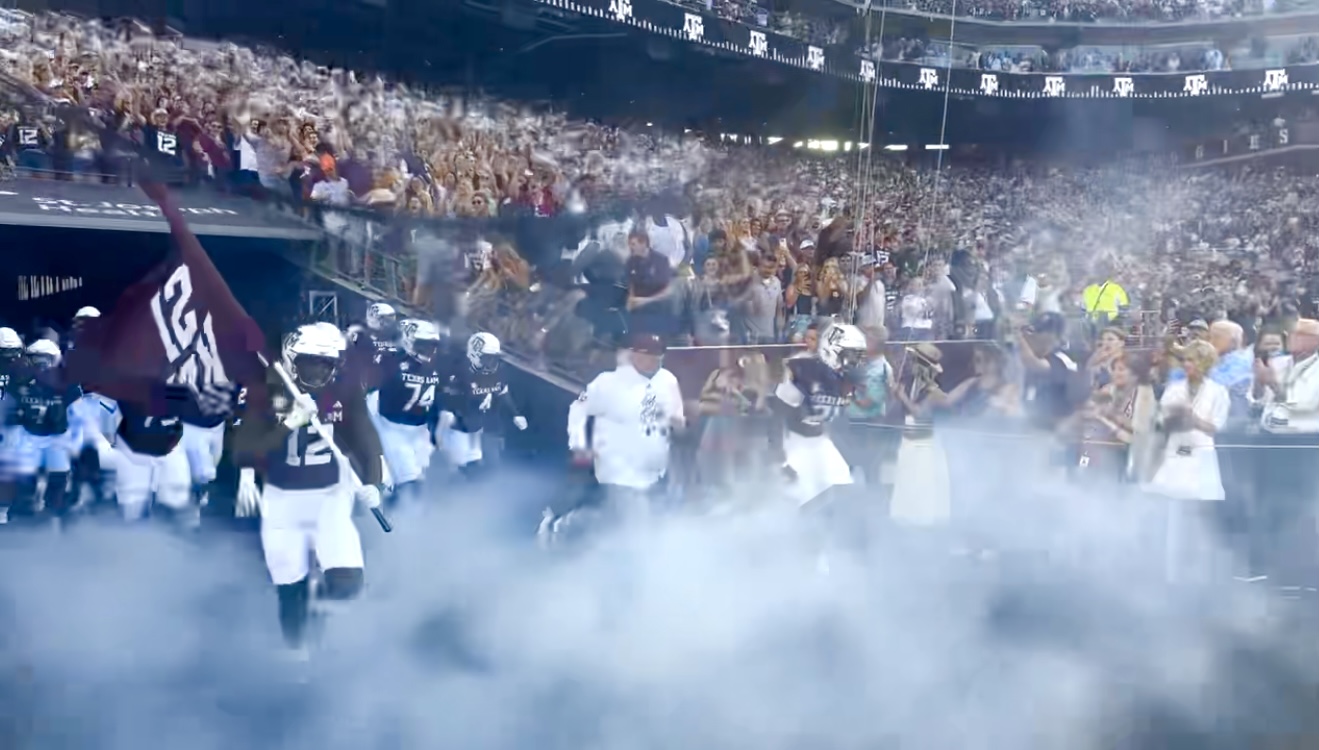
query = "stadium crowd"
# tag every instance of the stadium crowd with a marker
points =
(1169, 58)
(822, 31)
(822, 237)
(1055, 272)
(818, 235)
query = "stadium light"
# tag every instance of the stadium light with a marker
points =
(772, 140)
(828, 145)
(894, 147)
(798, 144)
(937, 147)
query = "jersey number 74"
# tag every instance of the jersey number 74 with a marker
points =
(420, 396)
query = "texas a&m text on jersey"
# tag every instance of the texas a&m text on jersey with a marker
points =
(822, 390)
(405, 403)
(299, 458)
(473, 389)
(407, 387)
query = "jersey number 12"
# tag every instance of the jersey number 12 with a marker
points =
(306, 448)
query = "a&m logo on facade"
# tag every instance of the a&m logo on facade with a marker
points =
(621, 9)
(759, 44)
(1123, 87)
(814, 58)
(1196, 85)
(1054, 86)
(1275, 80)
(929, 78)
(988, 84)
(868, 71)
(693, 27)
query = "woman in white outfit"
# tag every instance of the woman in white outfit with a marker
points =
(922, 489)
(1191, 412)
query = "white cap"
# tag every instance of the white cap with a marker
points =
(9, 339)
(87, 312)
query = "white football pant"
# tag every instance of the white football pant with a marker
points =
(407, 449)
(817, 463)
(296, 523)
(461, 448)
(139, 477)
(31, 453)
(204, 446)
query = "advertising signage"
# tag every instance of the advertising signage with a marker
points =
(659, 17)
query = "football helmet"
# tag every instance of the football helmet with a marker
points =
(312, 354)
(44, 354)
(381, 317)
(11, 345)
(842, 347)
(421, 339)
(484, 352)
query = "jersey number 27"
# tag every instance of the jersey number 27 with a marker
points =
(306, 448)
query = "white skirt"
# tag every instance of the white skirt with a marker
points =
(921, 487)
(1188, 477)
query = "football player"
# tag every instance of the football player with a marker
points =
(381, 331)
(203, 443)
(471, 391)
(405, 402)
(813, 392)
(97, 420)
(307, 501)
(366, 343)
(11, 357)
(43, 438)
(91, 483)
(147, 465)
(11, 361)
(80, 320)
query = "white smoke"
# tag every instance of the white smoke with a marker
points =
(702, 633)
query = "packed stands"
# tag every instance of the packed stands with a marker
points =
(562, 235)
(1113, 11)
(322, 137)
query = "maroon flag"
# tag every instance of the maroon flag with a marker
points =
(179, 324)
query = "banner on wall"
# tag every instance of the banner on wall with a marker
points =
(665, 19)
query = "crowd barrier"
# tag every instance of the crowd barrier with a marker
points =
(693, 365)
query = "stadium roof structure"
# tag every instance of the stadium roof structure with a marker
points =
(54, 203)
